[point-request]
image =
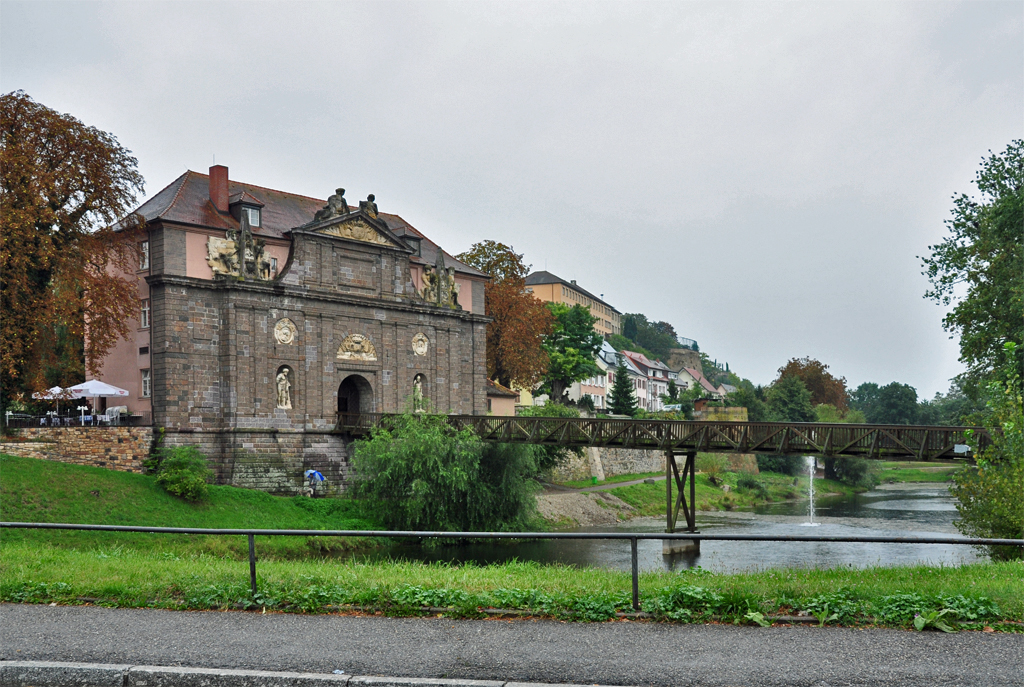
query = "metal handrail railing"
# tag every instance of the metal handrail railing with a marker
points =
(633, 538)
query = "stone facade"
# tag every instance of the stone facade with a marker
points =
(252, 356)
(114, 448)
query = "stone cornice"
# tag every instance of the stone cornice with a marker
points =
(278, 289)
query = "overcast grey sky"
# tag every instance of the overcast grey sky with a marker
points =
(761, 175)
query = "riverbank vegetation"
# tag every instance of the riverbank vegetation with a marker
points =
(45, 491)
(972, 596)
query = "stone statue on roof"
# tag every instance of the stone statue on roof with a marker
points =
(368, 206)
(336, 207)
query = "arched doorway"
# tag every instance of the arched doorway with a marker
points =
(355, 395)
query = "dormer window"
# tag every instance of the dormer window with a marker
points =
(414, 243)
(253, 215)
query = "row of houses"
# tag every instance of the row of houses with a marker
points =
(650, 378)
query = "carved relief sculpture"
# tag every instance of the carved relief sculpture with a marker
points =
(284, 387)
(224, 257)
(357, 231)
(439, 287)
(357, 347)
(420, 344)
(285, 332)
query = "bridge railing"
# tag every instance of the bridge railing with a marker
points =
(823, 439)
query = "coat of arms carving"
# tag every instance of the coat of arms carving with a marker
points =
(357, 347)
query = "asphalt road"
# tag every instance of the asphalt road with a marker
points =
(615, 653)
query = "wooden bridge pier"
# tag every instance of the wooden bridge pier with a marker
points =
(689, 506)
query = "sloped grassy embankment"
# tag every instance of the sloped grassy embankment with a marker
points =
(209, 573)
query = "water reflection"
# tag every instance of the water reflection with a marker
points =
(889, 510)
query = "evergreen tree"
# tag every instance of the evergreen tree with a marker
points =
(623, 399)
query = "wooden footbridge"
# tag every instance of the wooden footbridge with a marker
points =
(683, 438)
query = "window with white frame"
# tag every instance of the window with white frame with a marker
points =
(147, 384)
(254, 216)
(144, 317)
(144, 255)
(273, 266)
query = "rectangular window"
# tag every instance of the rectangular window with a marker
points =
(144, 256)
(147, 384)
(273, 266)
(254, 216)
(144, 317)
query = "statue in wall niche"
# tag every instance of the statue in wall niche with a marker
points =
(357, 347)
(419, 404)
(336, 207)
(369, 206)
(284, 389)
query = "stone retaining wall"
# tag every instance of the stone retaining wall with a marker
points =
(115, 448)
(271, 460)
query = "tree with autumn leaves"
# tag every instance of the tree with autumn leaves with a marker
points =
(515, 336)
(68, 255)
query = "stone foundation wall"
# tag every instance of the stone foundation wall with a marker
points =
(607, 462)
(271, 460)
(115, 448)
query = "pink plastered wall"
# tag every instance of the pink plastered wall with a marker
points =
(123, 365)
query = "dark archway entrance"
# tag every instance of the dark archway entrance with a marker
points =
(355, 395)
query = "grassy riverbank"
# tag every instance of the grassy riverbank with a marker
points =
(45, 491)
(296, 575)
(33, 572)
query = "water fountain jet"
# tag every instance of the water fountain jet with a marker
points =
(811, 462)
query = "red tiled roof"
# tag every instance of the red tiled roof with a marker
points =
(495, 389)
(187, 200)
(701, 379)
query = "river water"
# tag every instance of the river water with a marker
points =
(896, 510)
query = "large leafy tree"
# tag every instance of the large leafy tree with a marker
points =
(67, 272)
(819, 381)
(895, 404)
(979, 270)
(790, 401)
(515, 337)
(571, 346)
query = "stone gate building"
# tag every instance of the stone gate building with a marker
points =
(264, 314)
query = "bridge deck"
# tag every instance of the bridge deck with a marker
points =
(813, 439)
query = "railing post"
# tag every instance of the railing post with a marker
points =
(636, 574)
(252, 563)
(670, 525)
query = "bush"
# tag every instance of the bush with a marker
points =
(712, 465)
(783, 465)
(857, 472)
(419, 473)
(182, 471)
(748, 482)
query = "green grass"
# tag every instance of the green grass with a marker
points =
(44, 491)
(614, 479)
(33, 572)
(649, 499)
(913, 471)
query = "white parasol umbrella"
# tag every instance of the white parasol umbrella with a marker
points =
(94, 388)
(51, 394)
(54, 393)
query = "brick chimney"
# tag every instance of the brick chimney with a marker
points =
(219, 187)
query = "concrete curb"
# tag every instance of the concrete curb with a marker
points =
(59, 674)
